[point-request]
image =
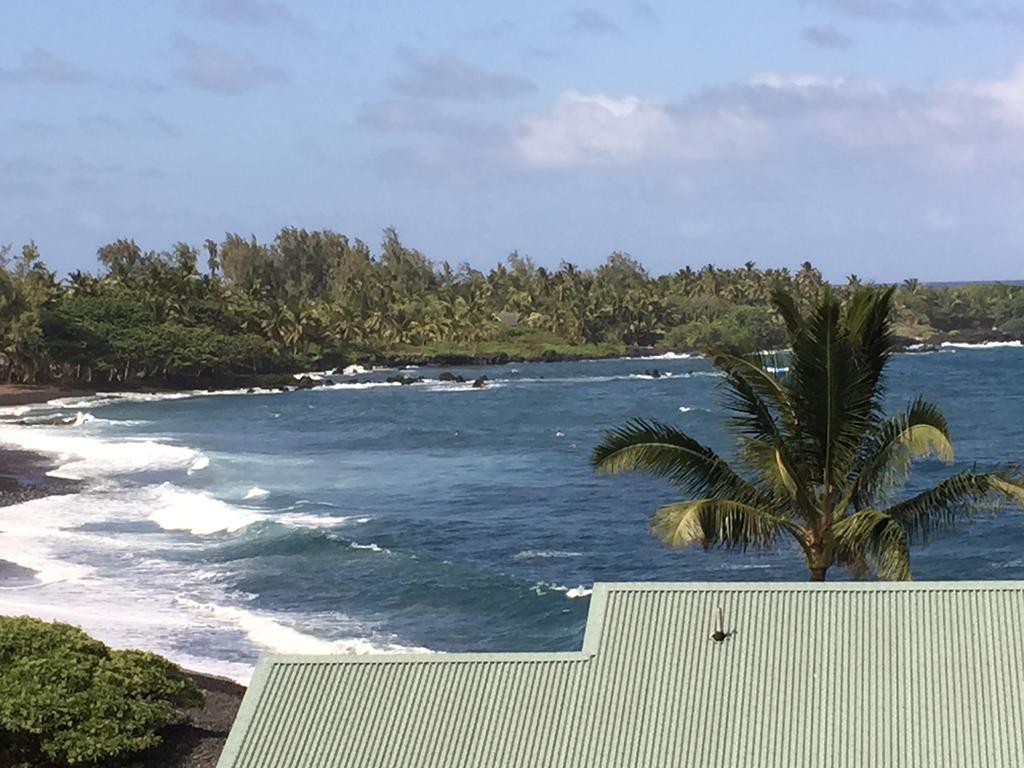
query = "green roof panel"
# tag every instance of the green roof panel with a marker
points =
(926, 674)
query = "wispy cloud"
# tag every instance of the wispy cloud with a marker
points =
(253, 12)
(593, 22)
(826, 36)
(45, 68)
(448, 77)
(935, 12)
(644, 12)
(214, 69)
(103, 122)
(160, 125)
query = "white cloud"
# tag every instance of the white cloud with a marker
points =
(601, 130)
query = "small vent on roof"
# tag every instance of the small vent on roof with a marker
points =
(719, 635)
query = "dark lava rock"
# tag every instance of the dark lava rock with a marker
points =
(403, 380)
(449, 376)
(250, 391)
(480, 383)
(305, 383)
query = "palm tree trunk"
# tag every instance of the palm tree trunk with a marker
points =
(818, 574)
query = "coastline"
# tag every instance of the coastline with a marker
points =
(198, 741)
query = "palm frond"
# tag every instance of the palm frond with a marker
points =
(663, 451)
(753, 369)
(765, 449)
(785, 305)
(917, 433)
(960, 497)
(873, 539)
(869, 325)
(717, 523)
(822, 373)
(834, 391)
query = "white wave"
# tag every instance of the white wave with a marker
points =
(201, 462)
(651, 377)
(532, 554)
(982, 345)
(434, 385)
(84, 457)
(664, 356)
(82, 418)
(15, 410)
(303, 520)
(686, 409)
(37, 556)
(354, 370)
(274, 635)
(176, 509)
(543, 587)
(256, 493)
(579, 591)
(371, 547)
(232, 670)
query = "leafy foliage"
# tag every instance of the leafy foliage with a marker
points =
(313, 296)
(818, 460)
(66, 699)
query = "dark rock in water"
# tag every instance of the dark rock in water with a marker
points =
(403, 380)
(283, 389)
(250, 391)
(480, 383)
(449, 376)
(305, 383)
(654, 373)
(327, 383)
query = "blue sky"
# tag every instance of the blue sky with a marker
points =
(878, 137)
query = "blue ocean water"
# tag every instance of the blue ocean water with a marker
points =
(372, 517)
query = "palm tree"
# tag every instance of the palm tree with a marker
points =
(818, 461)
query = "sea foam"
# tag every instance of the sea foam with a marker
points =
(273, 634)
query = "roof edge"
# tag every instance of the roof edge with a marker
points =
(806, 586)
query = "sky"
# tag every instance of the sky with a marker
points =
(882, 138)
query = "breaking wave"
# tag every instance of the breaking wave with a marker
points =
(275, 635)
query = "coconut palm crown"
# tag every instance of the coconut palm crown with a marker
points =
(818, 460)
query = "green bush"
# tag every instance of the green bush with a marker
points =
(67, 699)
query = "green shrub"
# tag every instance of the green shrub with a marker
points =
(67, 699)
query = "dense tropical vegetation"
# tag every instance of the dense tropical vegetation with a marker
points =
(818, 460)
(241, 307)
(68, 700)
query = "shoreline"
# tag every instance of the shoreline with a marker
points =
(23, 478)
(199, 739)
(15, 395)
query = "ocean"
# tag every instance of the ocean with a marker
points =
(375, 517)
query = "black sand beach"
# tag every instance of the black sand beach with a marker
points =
(195, 743)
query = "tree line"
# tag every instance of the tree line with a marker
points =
(240, 307)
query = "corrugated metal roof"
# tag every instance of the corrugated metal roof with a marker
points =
(917, 674)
